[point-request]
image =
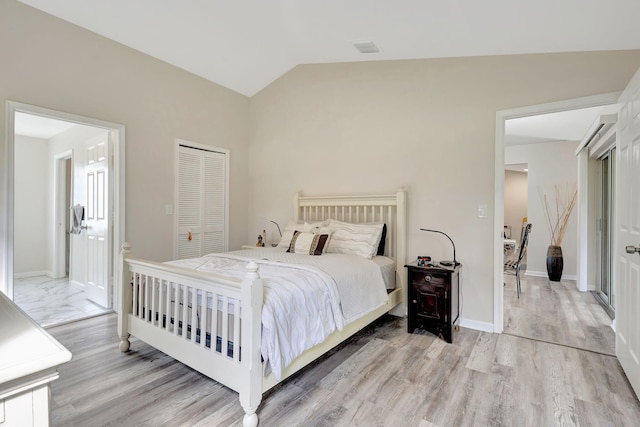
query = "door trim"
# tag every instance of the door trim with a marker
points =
(498, 217)
(116, 134)
(60, 210)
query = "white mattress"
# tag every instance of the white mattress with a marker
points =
(387, 269)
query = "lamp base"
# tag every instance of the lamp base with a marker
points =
(449, 263)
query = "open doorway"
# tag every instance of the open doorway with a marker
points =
(501, 119)
(65, 219)
(516, 201)
(554, 161)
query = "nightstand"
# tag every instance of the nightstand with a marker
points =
(433, 299)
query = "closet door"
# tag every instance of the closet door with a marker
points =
(201, 202)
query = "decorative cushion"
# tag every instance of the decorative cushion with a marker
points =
(287, 234)
(355, 239)
(307, 243)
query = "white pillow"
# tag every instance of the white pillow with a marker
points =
(355, 239)
(287, 234)
(307, 243)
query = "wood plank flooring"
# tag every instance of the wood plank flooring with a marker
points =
(557, 312)
(381, 377)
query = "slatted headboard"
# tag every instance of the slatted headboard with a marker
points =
(389, 208)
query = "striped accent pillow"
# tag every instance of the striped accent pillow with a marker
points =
(307, 243)
(287, 233)
(355, 239)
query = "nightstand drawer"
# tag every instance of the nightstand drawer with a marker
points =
(419, 278)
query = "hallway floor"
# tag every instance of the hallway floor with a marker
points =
(53, 301)
(556, 312)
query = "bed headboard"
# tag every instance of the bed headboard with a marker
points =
(388, 208)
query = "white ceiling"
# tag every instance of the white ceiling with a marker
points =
(39, 127)
(563, 126)
(247, 44)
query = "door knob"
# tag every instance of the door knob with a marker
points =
(632, 249)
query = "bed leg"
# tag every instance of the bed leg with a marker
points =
(250, 418)
(125, 301)
(124, 344)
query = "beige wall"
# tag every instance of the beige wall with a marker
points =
(50, 63)
(516, 196)
(426, 124)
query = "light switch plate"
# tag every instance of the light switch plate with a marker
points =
(482, 211)
(168, 209)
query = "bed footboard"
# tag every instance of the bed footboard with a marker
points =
(208, 322)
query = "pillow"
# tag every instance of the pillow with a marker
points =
(287, 234)
(307, 243)
(323, 230)
(356, 239)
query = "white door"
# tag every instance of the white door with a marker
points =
(628, 235)
(201, 200)
(97, 221)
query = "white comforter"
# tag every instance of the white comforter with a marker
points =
(306, 298)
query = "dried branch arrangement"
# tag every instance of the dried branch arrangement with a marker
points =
(557, 216)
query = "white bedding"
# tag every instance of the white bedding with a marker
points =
(306, 297)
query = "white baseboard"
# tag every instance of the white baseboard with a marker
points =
(32, 274)
(76, 284)
(545, 274)
(474, 324)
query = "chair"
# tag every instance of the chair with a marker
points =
(514, 265)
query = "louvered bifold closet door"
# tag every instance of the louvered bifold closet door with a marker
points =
(201, 198)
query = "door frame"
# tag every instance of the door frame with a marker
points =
(498, 217)
(60, 210)
(116, 134)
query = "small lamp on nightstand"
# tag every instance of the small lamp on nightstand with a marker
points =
(453, 263)
(280, 232)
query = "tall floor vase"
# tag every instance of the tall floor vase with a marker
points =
(555, 263)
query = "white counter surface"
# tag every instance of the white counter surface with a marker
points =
(28, 354)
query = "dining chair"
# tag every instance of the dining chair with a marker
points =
(514, 265)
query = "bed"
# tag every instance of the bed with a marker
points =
(215, 319)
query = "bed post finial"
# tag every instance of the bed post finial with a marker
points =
(125, 301)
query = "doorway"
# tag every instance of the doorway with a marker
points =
(501, 118)
(553, 311)
(58, 274)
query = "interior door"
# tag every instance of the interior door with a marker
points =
(628, 262)
(97, 287)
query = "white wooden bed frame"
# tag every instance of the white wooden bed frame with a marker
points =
(244, 374)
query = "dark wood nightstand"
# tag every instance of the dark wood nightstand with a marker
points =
(433, 299)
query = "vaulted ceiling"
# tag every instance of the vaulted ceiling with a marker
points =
(245, 45)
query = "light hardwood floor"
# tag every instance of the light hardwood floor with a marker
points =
(381, 377)
(557, 312)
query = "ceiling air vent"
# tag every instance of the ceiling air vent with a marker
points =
(366, 46)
